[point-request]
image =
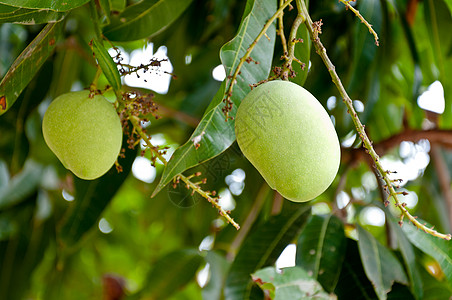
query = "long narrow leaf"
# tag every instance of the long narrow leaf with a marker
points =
(439, 249)
(9, 14)
(145, 19)
(353, 282)
(217, 134)
(27, 65)
(45, 4)
(407, 251)
(303, 53)
(321, 249)
(381, 266)
(107, 65)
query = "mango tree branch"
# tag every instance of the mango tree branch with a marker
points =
(314, 31)
(195, 186)
(280, 29)
(356, 12)
(287, 68)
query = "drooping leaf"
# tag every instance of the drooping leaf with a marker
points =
(321, 249)
(439, 249)
(381, 266)
(291, 283)
(216, 133)
(171, 273)
(261, 248)
(407, 251)
(22, 185)
(145, 19)
(91, 198)
(9, 14)
(45, 4)
(107, 64)
(353, 282)
(218, 266)
(27, 65)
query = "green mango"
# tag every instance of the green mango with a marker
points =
(287, 135)
(84, 133)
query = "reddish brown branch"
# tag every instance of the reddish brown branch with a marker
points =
(443, 178)
(434, 136)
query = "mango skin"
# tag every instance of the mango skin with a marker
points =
(288, 136)
(84, 133)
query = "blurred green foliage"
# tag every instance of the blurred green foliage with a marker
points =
(65, 238)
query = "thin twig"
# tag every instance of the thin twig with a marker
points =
(186, 179)
(314, 33)
(233, 78)
(287, 68)
(281, 28)
(135, 122)
(208, 196)
(356, 12)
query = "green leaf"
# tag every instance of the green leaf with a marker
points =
(321, 249)
(449, 4)
(291, 283)
(21, 186)
(9, 14)
(219, 134)
(117, 5)
(434, 289)
(4, 175)
(21, 254)
(27, 65)
(107, 64)
(218, 270)
(45, 4)
(303, 53)
(407, 251)
(91, 198)
(439, 249)
(365, 50)
(106, 8)
(145, 19)
(171, 273)
(381, 266)
(261, 248)
(353, 282)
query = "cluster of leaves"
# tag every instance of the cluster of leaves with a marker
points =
(66, 238)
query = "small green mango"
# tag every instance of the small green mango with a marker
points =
(84, 133)
(287, 135)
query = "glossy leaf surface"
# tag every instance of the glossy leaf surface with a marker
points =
(145, 19)
(213, 122)
(321, 249)
(27, 65)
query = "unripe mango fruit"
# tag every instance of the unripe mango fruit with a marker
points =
(288, 136)
(84, 133)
